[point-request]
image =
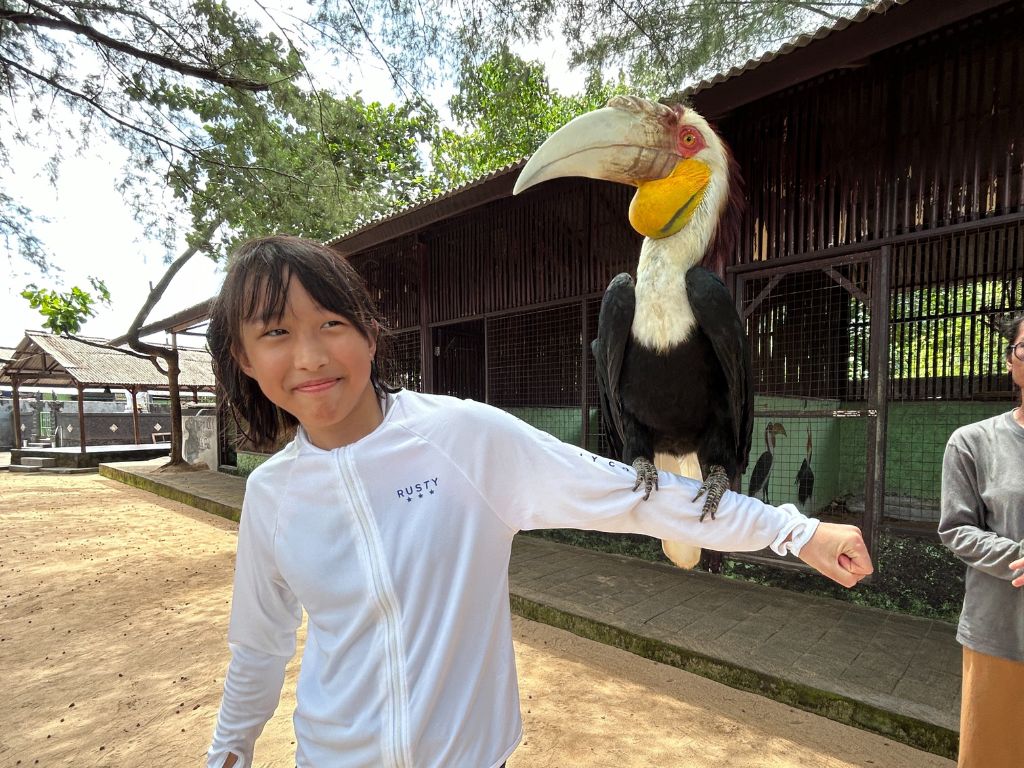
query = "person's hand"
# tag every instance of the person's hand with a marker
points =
(1017, 565)
(839, 552)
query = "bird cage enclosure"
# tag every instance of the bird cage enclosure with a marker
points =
(857, 393)
(512, 298)
(884, 225)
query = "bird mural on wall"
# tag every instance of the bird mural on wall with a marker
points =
(758, 483)
(804, 475)
(673, 365)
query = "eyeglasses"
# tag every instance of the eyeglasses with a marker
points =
(1017, 350)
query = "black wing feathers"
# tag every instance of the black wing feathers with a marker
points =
(715, 312)
(609, 348)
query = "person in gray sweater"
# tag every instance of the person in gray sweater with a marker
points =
(982, 523)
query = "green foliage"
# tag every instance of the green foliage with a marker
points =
(64, 313)
(505, 108)
(309, 164)
(222, 105)
(948, 331)
(663, 47)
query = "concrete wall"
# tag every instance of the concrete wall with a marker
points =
(199, 442)
(28, 420)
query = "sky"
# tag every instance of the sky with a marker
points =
(91, 232)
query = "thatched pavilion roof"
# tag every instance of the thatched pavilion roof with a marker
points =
(47, 360)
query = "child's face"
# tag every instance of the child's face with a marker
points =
(315, 365)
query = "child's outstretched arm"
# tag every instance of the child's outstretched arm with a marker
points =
(545, 483)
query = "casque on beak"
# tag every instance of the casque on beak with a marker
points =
(631, 141)
(610, 144)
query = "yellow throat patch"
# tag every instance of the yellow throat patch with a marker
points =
(662, 207)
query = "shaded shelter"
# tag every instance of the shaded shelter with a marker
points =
(47, 360)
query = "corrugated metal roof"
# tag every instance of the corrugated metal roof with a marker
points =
(367, 234)
(470, 194)
(44, 359)
(800, 41)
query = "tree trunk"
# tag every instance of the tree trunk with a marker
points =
(169, 356)
(173, 371)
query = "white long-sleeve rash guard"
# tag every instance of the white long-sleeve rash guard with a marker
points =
(397, 547)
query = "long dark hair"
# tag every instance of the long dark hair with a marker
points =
(256, 288)
(1009, 325)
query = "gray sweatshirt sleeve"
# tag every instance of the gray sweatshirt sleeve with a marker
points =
(961, 524)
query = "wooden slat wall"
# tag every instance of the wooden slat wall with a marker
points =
(524, 252)
(923, 136)
(391, 272)
(535, 358)
(406, 371)
(809, 335)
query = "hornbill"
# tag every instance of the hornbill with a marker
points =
(763, 468)
(804, 475)
(673, 366)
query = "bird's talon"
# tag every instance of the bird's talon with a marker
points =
(716, 484)
(646, 475)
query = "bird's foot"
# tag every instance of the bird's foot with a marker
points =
(714, 485)
(647, 474)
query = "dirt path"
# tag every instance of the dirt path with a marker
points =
(113, 609)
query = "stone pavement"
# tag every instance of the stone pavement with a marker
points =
(890, 673)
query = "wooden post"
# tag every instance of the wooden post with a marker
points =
(17, 414)
(426, 340)
(878, 398)
(135, 412)
(81, 418)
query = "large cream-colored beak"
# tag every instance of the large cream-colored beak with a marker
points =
(609, 143)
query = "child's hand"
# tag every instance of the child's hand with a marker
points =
(1017, 565)
(838, 551)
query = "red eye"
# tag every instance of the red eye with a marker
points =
(690, 141)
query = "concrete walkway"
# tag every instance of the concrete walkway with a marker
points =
(889, 673)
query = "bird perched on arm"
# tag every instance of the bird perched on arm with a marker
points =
(673, 366)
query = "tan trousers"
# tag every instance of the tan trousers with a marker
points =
(991, 712)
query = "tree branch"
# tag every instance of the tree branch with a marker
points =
(160, 140)
(175, 65)
(158, 291)
(99, 345)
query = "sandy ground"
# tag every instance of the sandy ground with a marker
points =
(113, 608)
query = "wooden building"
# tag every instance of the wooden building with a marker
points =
(884, 166)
